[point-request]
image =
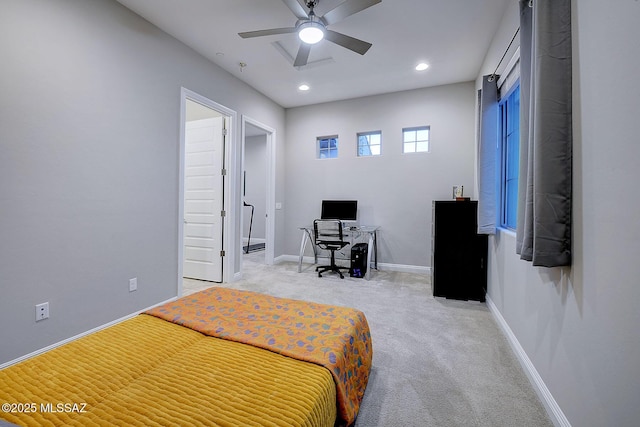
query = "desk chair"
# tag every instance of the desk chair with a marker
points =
(328, 236)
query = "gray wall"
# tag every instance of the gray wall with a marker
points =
(579, 325)
(394, 190)
(89, 137)
(88, 186)
(255, 164)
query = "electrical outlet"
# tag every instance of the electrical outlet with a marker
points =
(42, 311)
(133, 284)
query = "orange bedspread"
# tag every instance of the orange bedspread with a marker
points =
(337, 338)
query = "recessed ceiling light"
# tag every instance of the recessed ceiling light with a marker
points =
(304, 87)
(422, 66)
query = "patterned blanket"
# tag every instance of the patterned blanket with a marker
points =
(337, 338)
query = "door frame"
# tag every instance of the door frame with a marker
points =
(270, 187)
(228, 186)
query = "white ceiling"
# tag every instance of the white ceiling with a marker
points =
(452, 36)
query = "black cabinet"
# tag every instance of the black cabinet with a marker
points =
(459, 254)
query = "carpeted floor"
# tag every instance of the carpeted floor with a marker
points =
(436, 362)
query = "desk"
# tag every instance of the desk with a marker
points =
(369, 231)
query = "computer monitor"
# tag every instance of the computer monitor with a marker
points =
(344, 210)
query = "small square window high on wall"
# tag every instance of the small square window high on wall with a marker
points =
(369, 143)
(415, 139)
(327, 147)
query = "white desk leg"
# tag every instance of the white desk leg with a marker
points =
(367, 275)
(306, 236)
(303, 244)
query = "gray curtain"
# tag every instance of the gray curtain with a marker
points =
(544, 208)
(488, 178)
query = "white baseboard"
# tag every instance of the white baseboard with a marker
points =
(553, 409)
(75, 337)
(285, 258)
(402, 268)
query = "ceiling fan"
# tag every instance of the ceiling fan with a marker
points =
(312, 28)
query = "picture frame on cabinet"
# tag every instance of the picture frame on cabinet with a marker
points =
(458, 191)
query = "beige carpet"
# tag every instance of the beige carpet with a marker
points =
(436, 362)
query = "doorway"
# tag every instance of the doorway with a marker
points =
(204, 198)
(258, 195)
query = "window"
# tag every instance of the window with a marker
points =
(327, 147)
(415, 140)
(369, 143)
(510, 157)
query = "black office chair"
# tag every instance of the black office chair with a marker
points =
(328, 236)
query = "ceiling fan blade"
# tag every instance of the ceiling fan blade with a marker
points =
(348, 42)
(303, 55)
(347, 8)
(296, 8)
(270, 32)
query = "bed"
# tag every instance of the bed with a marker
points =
(218, 357)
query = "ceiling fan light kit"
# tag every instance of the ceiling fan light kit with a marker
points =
(311, 29)
(311, 32)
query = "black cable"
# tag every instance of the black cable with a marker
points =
(493, 76)
(250, 226)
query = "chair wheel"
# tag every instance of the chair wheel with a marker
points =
(319, 274)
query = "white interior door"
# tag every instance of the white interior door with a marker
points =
(203, 199)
